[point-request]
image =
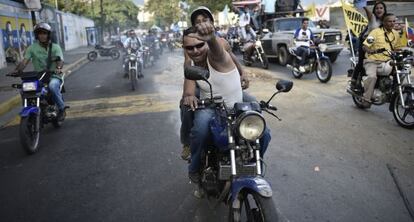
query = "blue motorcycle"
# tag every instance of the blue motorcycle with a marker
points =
(232, 169)
(38, 108)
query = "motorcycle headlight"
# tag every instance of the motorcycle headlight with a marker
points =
(250, 125)
(323, 47)
(338, 38)
(258, 43)
(132, 57)
(29, 86)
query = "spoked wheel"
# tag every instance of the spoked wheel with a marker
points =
(92, 56)
(30, 133)
(359, 101)
(115, 54)
(404, 116)
(133, 78)
(253, 208)
(324, 71)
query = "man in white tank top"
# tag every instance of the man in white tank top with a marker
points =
(204, 49)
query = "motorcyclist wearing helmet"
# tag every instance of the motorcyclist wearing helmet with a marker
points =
(384, 37)
(132, 44)
(38, 53)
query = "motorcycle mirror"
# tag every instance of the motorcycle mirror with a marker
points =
(196, 73)
(370, 39)
(410, 43)
(284, 85)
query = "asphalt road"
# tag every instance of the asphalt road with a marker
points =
(117, 156)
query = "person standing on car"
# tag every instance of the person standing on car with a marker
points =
(303, 37)
(38, 53)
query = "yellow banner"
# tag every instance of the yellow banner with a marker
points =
(354, 20)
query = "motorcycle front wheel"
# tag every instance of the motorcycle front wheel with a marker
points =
(115, 54)
(253, 207)
(265, 62)
(92, 56)
(404, 116)
(324, 70)
(133, 78)
(30, 133)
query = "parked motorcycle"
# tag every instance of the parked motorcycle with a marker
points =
(102, 51)
(258, 56)
(134, 67)
(38, 110)
(393, 86)
(231, 166)
(316, 62)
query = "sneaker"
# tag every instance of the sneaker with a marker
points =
(194, 177)
(302, 69)
(365, 104)
(61, 115)
(199, 192)
(186, 152)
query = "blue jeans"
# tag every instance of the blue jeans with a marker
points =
(200, 135)
(54, 88)
(303, 53)
(187, 117)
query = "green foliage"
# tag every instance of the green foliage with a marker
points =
(165, 12)
(119, 13)
(213, 5)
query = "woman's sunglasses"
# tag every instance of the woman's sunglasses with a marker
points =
(191, 47)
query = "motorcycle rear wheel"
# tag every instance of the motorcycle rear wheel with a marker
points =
(115, 54)
(358, 100)
(404, 117)
(30, 133)
(92, 56)
(254, 208)
(324, 71)
(133, 77)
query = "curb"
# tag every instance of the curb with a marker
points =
(10, 104)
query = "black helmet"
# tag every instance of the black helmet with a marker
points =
(201, 10)
(42, 26)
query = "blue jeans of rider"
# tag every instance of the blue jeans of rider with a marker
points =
(187, 117)
(54, 87)
(303, 53)
(200, 135)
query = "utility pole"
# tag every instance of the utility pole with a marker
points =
(93, 12)
(102, 22)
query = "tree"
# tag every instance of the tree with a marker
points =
(120, 13)
(165, 12)
(213, 5)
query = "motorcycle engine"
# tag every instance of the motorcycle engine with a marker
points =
(210, 182)
(383, 89)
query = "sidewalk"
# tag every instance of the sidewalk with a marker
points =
(10, 98)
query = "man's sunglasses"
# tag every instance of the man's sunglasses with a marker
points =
(191, 47)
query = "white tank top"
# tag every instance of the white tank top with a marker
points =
(226, 85)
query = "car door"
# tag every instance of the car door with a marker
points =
(267, 39)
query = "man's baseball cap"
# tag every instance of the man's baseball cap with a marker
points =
(198, 11)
